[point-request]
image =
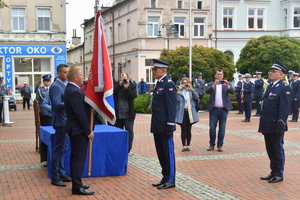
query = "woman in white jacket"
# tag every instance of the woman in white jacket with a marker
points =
(186, 114)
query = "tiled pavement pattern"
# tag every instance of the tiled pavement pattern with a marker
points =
(232, 174)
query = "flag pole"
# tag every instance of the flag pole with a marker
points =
(91, 142)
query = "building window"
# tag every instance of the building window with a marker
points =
(179, 24)
(199, 27)
(128, 29)
(119, 12)
(119, 33)
(30, 70)
(285, 18)
(18, 19)
(152, 26)
(199, 4)
(228, 18)
(153, 3)
(256, 18)
(179, 4)
(43, 16)
(296, 17)
(110, 36)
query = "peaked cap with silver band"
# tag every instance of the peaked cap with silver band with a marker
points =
(279, 66)
(160, 64)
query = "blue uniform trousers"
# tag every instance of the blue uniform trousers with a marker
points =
(257, 105)
(274, 147)
(166, 156)
(58, 153)
(240, 104)
(248, 109)
(295, 110)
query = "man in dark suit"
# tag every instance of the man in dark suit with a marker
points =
(163, 123)
(26, 94)
(78, 128)
(295, 85)
(258, 92)
(56, 94)
(237, 90)
(247, 91)
(275, 104)
(218, 106)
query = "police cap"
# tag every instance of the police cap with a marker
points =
(279, 66)
(160, 64)
(47, 77)
(200, 74)
(295, 74)
(247, 75)
(258, 73)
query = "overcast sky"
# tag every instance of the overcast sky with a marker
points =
(77, 11)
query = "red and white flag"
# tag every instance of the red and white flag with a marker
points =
(99, 90)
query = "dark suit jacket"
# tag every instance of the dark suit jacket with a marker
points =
(164, 106)
(56, 93)
(225, 91)
(276, 103)
(77, 111)
(27, 95)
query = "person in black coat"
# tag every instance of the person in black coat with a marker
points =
(258, 92)
(78, 128)
(26, 94)
(295, 85)
(275, 104)
(248, 88)
(237, 90)
(124, 94)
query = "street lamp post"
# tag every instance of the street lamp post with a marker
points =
(171, 30)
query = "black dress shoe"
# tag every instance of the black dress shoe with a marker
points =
(166, 186)
(239, 113)
(276, 179)
(86, 186)
(157, 184)
(292, 120)
(82, 191)
(246, 120)
(267, 177)
(256, 115)
(58, 182)
(66, 179)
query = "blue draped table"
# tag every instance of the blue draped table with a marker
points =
(109, 155)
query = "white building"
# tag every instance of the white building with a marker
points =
(236, 21)
(32, 40)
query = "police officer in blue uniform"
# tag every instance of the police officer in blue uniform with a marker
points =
(295, 85)
(163, 123)
(258, 92)
(273, 120)
(247, 91)
(40, 96)
(3, 91)
(199, 85)
(238, 95)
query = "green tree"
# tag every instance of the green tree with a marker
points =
(3, 4)
(204, 59)
(260, 53)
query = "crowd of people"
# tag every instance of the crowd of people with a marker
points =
(62, 106)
